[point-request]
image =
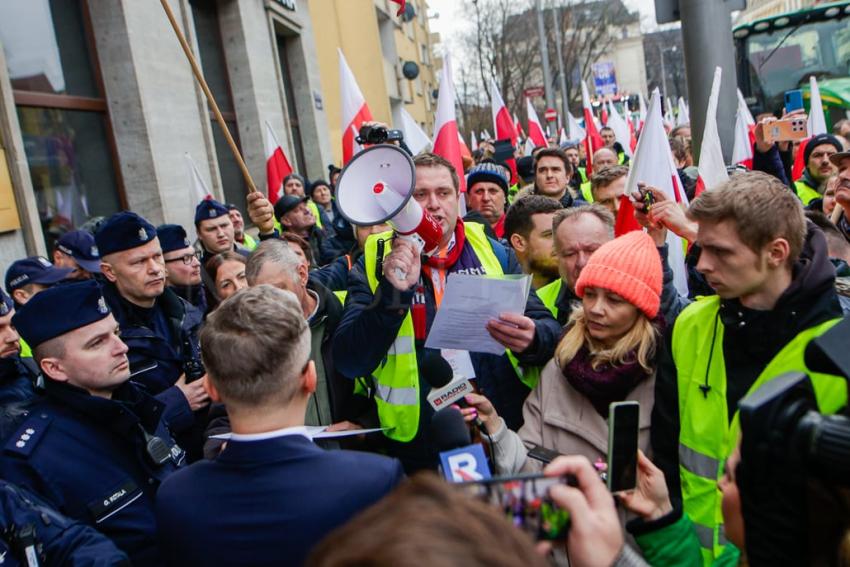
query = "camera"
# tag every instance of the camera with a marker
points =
(378, 135)
(791, 451)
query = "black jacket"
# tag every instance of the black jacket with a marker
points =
(750, 341)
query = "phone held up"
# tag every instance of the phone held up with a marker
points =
(623, 428)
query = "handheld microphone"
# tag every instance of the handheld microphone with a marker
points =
(461, 460)
(445, 390)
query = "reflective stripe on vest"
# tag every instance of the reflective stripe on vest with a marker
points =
(315, 210)
(806, 193)
(706, 438)
(396, 380)
(587, 192)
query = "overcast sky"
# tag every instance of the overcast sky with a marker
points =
(450, 21)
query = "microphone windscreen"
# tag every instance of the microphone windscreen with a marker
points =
(435, 369)
(449, 430)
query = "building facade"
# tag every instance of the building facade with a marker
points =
(99, 108)
(378, 46)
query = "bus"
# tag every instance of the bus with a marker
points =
(780, 53)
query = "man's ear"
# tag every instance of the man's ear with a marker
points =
(309, 378)
(517, 242)
(303, 273)
(778, 252)
(211, 389)
(108, 272)
(52, 367)
(20, 296)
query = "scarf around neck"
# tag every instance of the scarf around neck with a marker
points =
(604, 385)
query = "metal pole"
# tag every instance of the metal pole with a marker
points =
(663, 70)
(556, 21)
(707, 38)
(544, 56)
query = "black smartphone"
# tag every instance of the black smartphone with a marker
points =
(526, 502)
(623, 426)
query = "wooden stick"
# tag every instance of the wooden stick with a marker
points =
(196, 70)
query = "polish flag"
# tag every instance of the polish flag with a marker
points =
(535, 130)
(669, 116)
(630, 121)
(401, 6)
(355, 111)
(473, 140)
(200, 191)
(446, 141)
(563, 138)
(576, 131)
(518, 127)
(641, 111)
(620, 128)
(816, 125)
(414, 136)
(653, 164)
(712, 168)
(464, 149)
(603, 115)
(592, 140)
(683, 115)
(503, 125)
(742, 151)
(625, 221)
(277, 166)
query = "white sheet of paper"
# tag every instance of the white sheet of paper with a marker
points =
(469, 303)
(459, 361)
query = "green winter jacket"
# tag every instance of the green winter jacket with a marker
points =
(675, 544)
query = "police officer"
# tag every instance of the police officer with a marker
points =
(183, 265)
(28, 276)
(95, 446)
(78, 251)
(159, 327)
(18, 375)
(215, 230)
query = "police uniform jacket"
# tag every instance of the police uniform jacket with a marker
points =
(88, 457)
(156, 361)
(266, 502)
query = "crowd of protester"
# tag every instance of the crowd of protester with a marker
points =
(161, 396)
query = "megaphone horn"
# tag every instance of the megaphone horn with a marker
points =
(376, 187)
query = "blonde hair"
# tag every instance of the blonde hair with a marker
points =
(638, 345)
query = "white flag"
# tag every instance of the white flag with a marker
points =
(712, 168)
(620, 128)
(415, 138)
(817, 121)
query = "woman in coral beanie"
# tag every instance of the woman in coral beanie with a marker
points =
(607, 354)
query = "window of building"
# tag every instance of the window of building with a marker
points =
(283, 53)
(214, 66)
(62, 111)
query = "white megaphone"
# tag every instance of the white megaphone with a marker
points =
(376, 187)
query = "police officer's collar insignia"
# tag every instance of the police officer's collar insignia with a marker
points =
(101, 306)
(44, 262)
(143, 235)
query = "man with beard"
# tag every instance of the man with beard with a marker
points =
(528, 229)
(817, 157)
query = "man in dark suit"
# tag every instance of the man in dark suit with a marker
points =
(271, 494)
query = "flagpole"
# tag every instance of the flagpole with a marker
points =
(196, 70)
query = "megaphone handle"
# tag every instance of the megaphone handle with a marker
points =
(417, 243)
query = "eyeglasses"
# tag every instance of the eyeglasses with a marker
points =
(187, 258)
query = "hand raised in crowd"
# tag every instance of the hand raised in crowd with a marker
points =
(402, 265)
(261, 212)
(650, 499)
(195, 393)
(595, 538)
(480, 407)
(663, 214)
(514, 332)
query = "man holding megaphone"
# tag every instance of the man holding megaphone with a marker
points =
(396, 288)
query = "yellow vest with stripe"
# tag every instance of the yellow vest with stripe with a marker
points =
(548, 294)
(315, 210)
(396, 380)
(250, 243)
(706, 438)
(806, 193)
(582, 171)
(587, 192)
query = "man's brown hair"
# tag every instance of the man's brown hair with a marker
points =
(427, 522)
(607, 176)
(255, 346)
(428, 159)
(761, 208)
(555, 153)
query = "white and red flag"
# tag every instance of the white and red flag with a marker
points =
(620, 128)
(535, 130)
(592, 139)
(446, 140)
(653, 165)
(683, 115)
(712, 168)
(503, 124)
(473, 140)
(742, 151)
(277, 166)
(576, 131)
(518, 127)
(414, 136)
(816, 126)
(355, 111)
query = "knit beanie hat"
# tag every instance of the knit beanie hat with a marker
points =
(820, 140)
(630, 267)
